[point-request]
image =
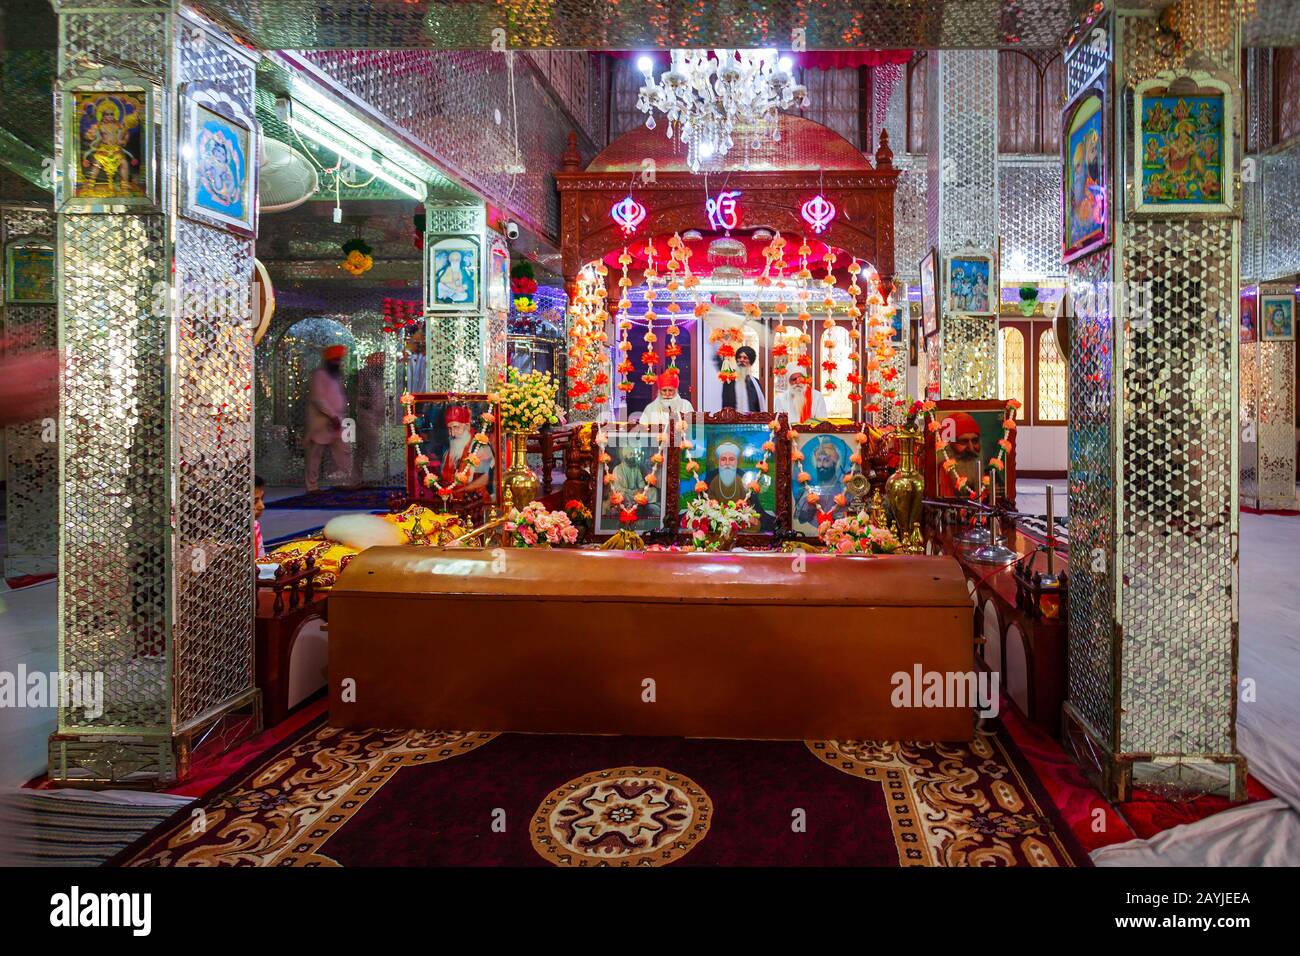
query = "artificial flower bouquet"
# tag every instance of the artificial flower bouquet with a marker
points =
(580, 515)
(855, 534)
(534, 526)
(528, 401)
(713, 525)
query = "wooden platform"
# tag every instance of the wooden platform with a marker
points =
(707, 645)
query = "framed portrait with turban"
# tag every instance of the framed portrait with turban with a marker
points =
(1086, 183)
(631, 487)
(828, 451)
(726, 454)
(972, 430)
(457, 448)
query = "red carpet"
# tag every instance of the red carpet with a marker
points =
(365, 798)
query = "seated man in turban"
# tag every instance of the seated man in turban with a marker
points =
(668, 404)
(459, 442)
(800, 401)
(963, 448)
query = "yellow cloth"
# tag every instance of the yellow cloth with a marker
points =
(331, 557)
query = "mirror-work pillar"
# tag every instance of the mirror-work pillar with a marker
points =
(962, 221)
(1153, 412)
(466, 295)
(31, 465)
(156, 582)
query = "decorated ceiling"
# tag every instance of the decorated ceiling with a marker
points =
(658, 24)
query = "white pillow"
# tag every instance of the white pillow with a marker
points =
(364, 531)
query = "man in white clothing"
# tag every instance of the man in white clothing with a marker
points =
(668, 405)
(800, 400)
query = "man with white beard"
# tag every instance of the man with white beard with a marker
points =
(800, 401)
(727, 484)
(668, 405)
(456, 459)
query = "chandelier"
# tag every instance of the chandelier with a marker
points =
(707, 94)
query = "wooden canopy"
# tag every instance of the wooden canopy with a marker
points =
(813, 158)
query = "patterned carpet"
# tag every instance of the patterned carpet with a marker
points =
(332, 797)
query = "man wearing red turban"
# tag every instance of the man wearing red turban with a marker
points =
(459, 432)
(327, 406)
(668, 405)
(963, 435)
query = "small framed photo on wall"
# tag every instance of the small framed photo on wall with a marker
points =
(110, 152)
(454, 272)
(218, 159)
(1277, 318)
(972, 284)
(1184, 146)
(930, 294)
(29, 273)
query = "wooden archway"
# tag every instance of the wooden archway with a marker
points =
(673, 198)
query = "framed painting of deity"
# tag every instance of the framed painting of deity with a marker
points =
(827, 451)
(631, 472)
(1184, 142)
(972, 429)
(726, 453)
(1249, 315)
(930, 294)
(972, 284)
(457, 450)
(110, 152)
(218, 159)
(29, 273)
(454, 275)
(1277, 318)
(498, 296)
(1086, 152)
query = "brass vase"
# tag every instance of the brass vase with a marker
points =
(521, 483)
(905, 489)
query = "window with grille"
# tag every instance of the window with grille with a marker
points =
(1051, 379)
(1011, 367)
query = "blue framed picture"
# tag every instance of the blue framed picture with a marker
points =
(1184, 130)
(1277, 318)
(972, 285)
(454, 276)
(218, 160)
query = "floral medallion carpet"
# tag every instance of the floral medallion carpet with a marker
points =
(333, 797)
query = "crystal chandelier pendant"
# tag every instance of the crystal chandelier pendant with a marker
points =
(705, 95)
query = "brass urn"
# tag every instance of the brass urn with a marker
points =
(521, 483)
(905, 489)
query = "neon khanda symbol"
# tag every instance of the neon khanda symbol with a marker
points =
(628, 214)
(723, 211)
(818, 212)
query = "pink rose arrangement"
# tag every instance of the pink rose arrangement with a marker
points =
(534, 525)
(855, 534)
